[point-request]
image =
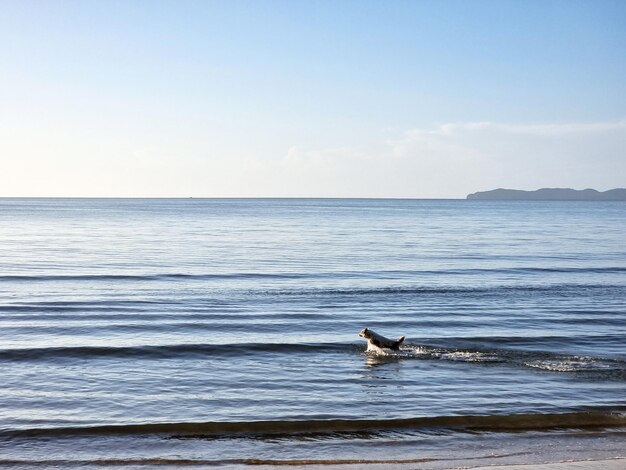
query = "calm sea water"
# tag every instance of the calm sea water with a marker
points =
(197, 328)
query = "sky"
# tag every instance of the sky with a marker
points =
(334, 98)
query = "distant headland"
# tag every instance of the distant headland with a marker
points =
(550, 194)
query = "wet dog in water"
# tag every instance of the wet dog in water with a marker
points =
(378, 343)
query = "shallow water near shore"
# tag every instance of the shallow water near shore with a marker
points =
(220, 331)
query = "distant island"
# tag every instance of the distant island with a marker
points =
(550, 194)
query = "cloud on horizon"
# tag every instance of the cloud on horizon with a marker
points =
(453, 159)
(447, 160)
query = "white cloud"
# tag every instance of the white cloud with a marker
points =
(445, 160)
(453, 159)
(536, 129)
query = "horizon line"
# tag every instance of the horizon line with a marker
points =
(239, 197)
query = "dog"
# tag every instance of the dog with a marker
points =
(378, 343)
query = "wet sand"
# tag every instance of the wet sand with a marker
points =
(610, 464)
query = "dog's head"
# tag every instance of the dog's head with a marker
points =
(364, 333)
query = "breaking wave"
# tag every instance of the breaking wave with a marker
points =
(512, 422)
(609, 368)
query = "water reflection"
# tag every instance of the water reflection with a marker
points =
(380, 373)
(377, 360)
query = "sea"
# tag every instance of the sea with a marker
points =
(224, 332)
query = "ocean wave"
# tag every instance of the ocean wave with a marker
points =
(166, 351)
(510, 422)
(560, 289)
(149, 277)
(607, 368)
(307, 275)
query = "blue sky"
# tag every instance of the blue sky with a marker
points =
(310, 98)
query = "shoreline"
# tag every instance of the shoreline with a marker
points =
(618, 463)
(592, 449)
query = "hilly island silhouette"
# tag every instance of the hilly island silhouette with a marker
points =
(550, 194)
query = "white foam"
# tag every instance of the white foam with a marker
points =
(575, 364)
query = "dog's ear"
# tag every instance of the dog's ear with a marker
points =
(365, 331)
